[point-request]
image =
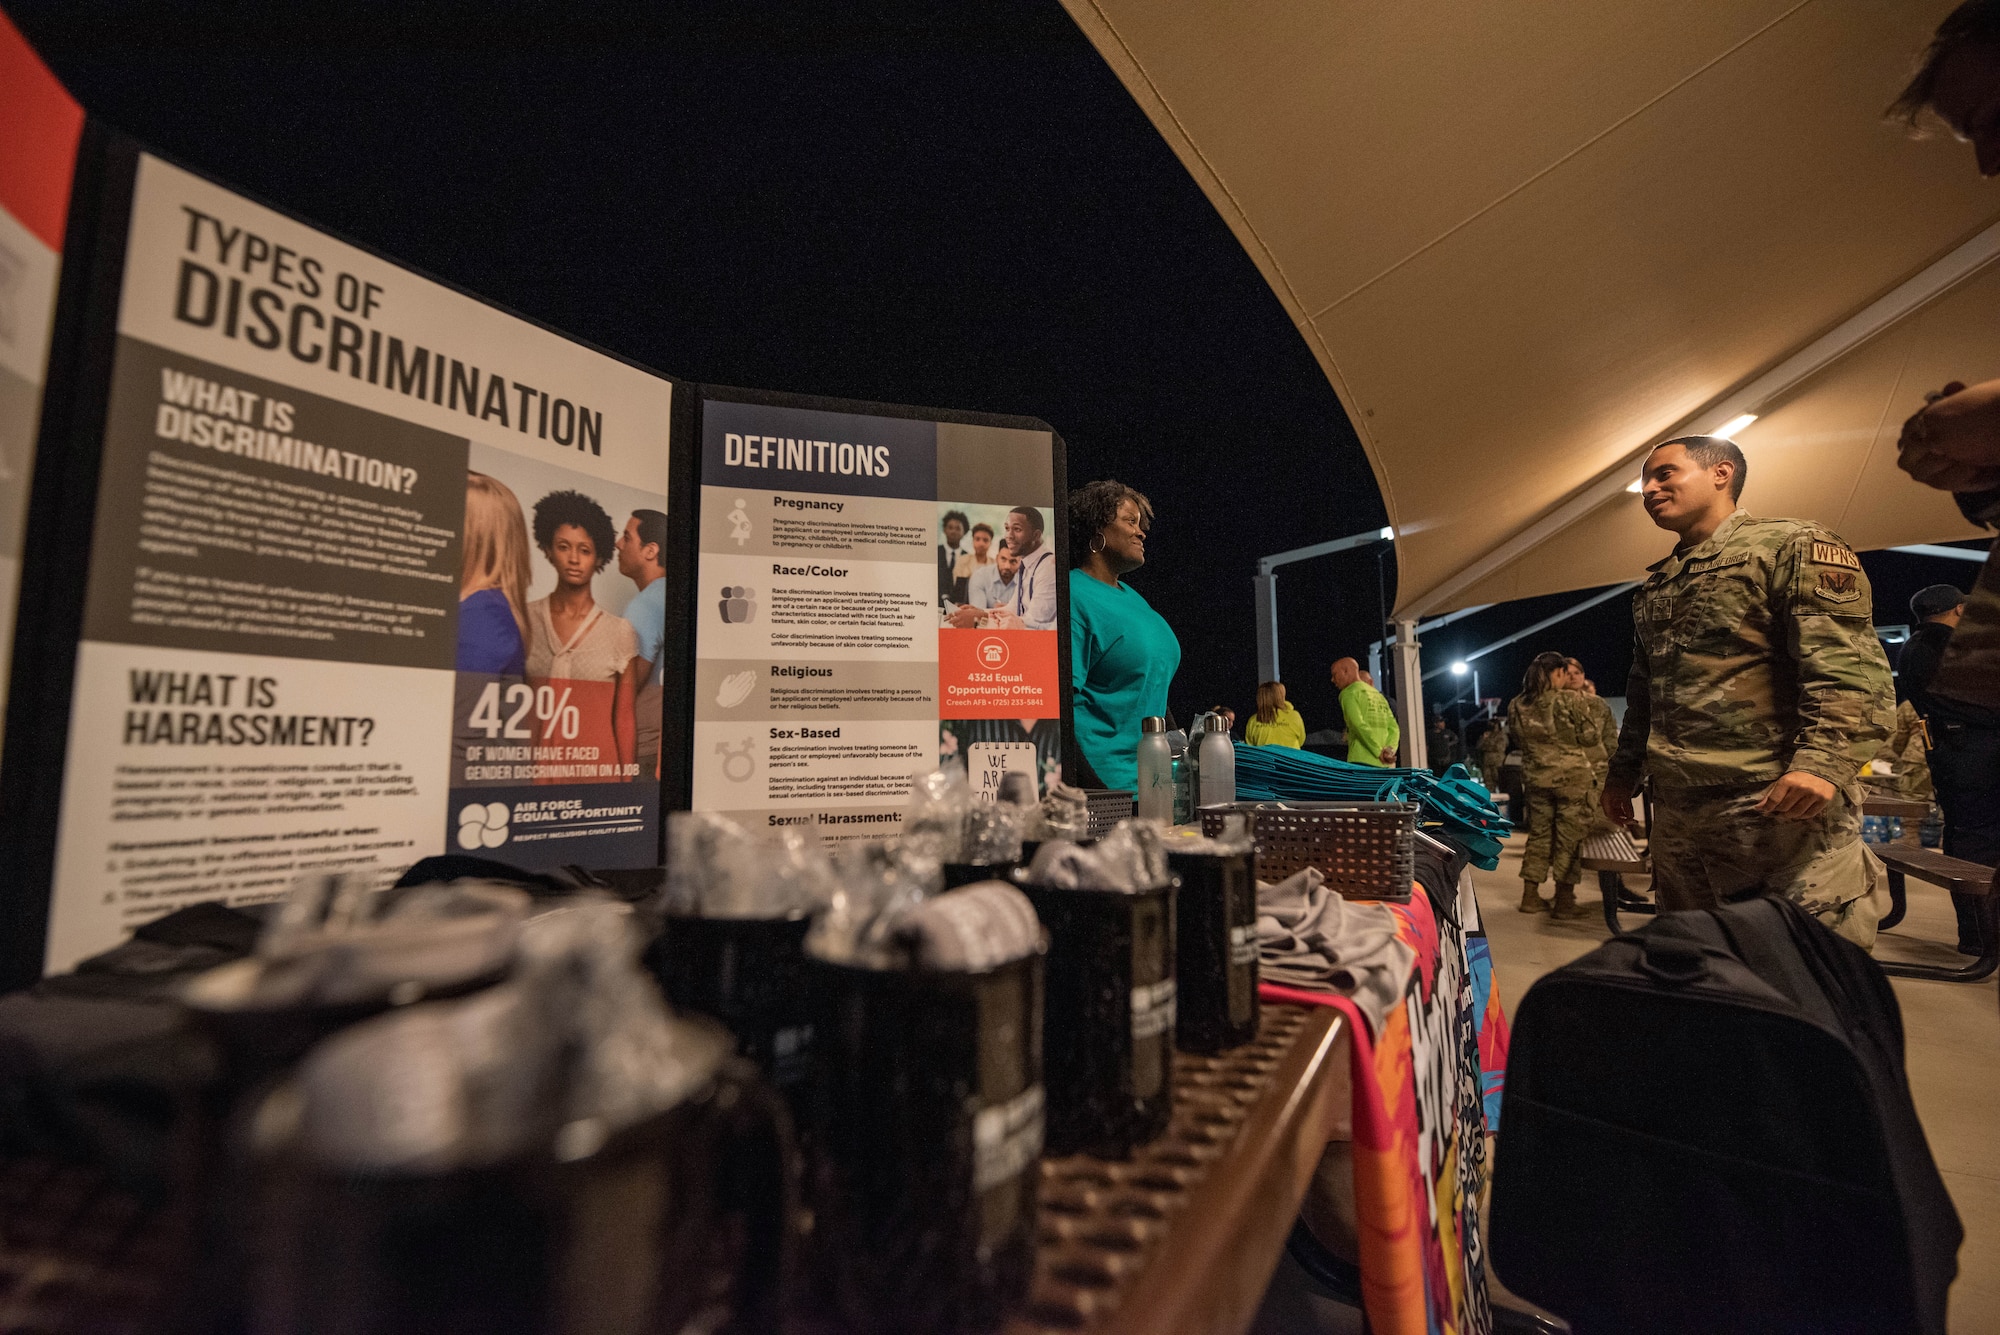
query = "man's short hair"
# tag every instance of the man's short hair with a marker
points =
(653, 529)
(1972, 23)
(1708, 451)
(959, 515)
(983, 527)
(1031, 514)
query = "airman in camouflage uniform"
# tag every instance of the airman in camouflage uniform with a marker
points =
(1600, 755)
(1758, 691)
(1493, 747)
(1557, 730)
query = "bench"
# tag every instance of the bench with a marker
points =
(1614, 855)
(1927, 864)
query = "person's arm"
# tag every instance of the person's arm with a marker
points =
(1038, 610)
(1584, 724)
(1628, 761)
(1953, 443)
(624, 714)
(1844, 693)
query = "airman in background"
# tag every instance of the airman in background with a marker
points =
(1493, 747)
(1758, 692)
(1600, 755)
(1558, 731)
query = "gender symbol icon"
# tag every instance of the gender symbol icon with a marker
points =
(738, 762)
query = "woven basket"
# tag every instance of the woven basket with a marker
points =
(1367, 850)
(1107, 807)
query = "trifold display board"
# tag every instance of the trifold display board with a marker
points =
(879, 588)
(326, 565)
(40, 126)
(329, 565)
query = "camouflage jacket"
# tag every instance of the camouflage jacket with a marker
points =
(1607, 731)
(1754, 653)
(1908, 750)
(1557, 731)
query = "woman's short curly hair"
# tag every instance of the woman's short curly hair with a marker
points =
(579, 511)
(1093, 506)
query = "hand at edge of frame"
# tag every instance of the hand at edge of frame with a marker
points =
(1796, 796)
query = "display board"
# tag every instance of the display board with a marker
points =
(372, 570)
(40, 126)
(880, 589)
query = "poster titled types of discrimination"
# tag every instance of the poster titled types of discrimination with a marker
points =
(377, 572)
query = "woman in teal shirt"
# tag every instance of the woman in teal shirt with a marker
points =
(1123, 654)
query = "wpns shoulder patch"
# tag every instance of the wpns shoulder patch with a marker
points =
(1826, 553)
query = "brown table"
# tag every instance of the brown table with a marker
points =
(1186, 1235)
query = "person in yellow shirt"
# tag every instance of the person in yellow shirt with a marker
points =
(1373, 735)
(1275, 723)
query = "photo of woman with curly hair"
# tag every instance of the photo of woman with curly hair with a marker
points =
(590, 656)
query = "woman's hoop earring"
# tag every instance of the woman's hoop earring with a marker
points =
(1097, 545)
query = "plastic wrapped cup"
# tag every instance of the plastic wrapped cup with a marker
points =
(1216, 949)
(1109, 1031)
(749, 973)
(927, 1131)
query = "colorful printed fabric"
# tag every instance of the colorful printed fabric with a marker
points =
(1426, 1090)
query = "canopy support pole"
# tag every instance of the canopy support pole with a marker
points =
(1266, 584)
(1409, 664)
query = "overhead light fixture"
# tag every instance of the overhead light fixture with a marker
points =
(1728, 430)
(1458, 669)
(1636, 486)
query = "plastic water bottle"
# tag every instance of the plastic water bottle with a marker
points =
(1218, 767)
(1156, 772)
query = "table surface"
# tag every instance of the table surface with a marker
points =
(1906, 807)
(1186, 1234)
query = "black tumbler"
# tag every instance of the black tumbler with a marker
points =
(749, 973)
(1109, 1034)
(678, 1222)
(928, 1131)
(1216, 915)
(971, 873)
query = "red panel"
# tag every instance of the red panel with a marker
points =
(40, 124)
(997, 674)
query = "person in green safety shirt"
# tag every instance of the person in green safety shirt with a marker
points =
(1123, 654)
(1372, 732)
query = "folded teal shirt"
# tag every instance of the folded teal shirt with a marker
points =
(1123, 655)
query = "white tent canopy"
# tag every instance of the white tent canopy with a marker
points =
(1526, 242)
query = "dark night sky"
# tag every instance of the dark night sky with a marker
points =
(942, 205)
